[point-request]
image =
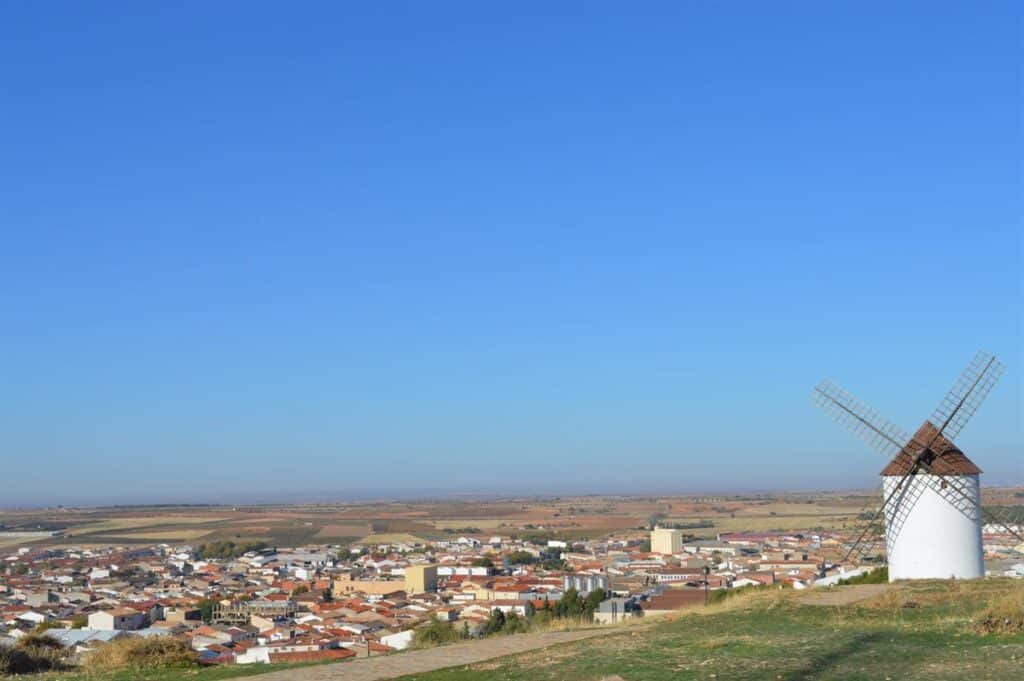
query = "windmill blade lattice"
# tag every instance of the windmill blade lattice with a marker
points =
(868, 532)
(895, 509)
(967, 394)
(954, 494)
(863, 421)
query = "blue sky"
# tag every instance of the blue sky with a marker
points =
(348, 249)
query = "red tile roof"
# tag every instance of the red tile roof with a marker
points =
(948, 460)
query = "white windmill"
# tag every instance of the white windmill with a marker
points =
(931, 495)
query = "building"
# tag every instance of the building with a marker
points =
(420, 579)
(666, 540)
(120, 619)
(933, 532)
(584, 583)
(348, 584)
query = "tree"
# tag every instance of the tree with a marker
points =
(514, 624)
(593, 602)
(483, 561)
(205, 608)
(570, 605)
(521, 558)
(530, 609)
(328, 596)
(300, 589)
(495, 622)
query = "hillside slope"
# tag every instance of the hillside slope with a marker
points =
(934, 631)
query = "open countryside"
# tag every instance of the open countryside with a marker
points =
(544, 341)
(566, 518)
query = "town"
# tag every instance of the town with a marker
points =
(253, 603)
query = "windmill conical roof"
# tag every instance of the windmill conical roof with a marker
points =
(949, 460)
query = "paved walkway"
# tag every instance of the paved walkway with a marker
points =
(844, 595)
(432, 659)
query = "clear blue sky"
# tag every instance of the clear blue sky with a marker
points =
(302, 250)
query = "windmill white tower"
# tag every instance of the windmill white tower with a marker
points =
(931, 494)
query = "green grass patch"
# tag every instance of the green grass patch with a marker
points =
(876, 576)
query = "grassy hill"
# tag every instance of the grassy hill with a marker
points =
(932, 631)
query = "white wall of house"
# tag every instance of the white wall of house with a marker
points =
(254, 655)
(399, 641)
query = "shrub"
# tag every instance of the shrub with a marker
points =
(437, 633)
(37, 640)
(33, 653)
(879, 576)
(136, 653)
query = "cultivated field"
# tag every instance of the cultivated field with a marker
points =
(592, 517)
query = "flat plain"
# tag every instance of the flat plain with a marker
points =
(568, 518)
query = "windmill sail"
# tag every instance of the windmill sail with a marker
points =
(928, 462)
(863, 421)
(967, 394)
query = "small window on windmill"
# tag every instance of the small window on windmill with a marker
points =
(943, 484)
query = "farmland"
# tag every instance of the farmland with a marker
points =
(588, 517)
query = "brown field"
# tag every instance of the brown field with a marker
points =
(567, 517)
(338, 530)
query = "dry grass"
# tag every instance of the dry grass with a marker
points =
(570, 624)
(1003, 614)
(141, 653)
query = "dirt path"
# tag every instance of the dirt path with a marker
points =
(432, 659)
(844, 595)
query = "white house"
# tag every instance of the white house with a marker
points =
(119, 619)
(399, 641)
(31, 616)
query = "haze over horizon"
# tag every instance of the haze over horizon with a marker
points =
(348, 249)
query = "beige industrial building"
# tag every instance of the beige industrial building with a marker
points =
(420, 579)
(349, 584)
(666, 540)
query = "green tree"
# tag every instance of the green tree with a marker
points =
(495, 623)
(569, 606)
(483, 561)
(514, 624)
(205, 608)
(521, 558)
(593, 602)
